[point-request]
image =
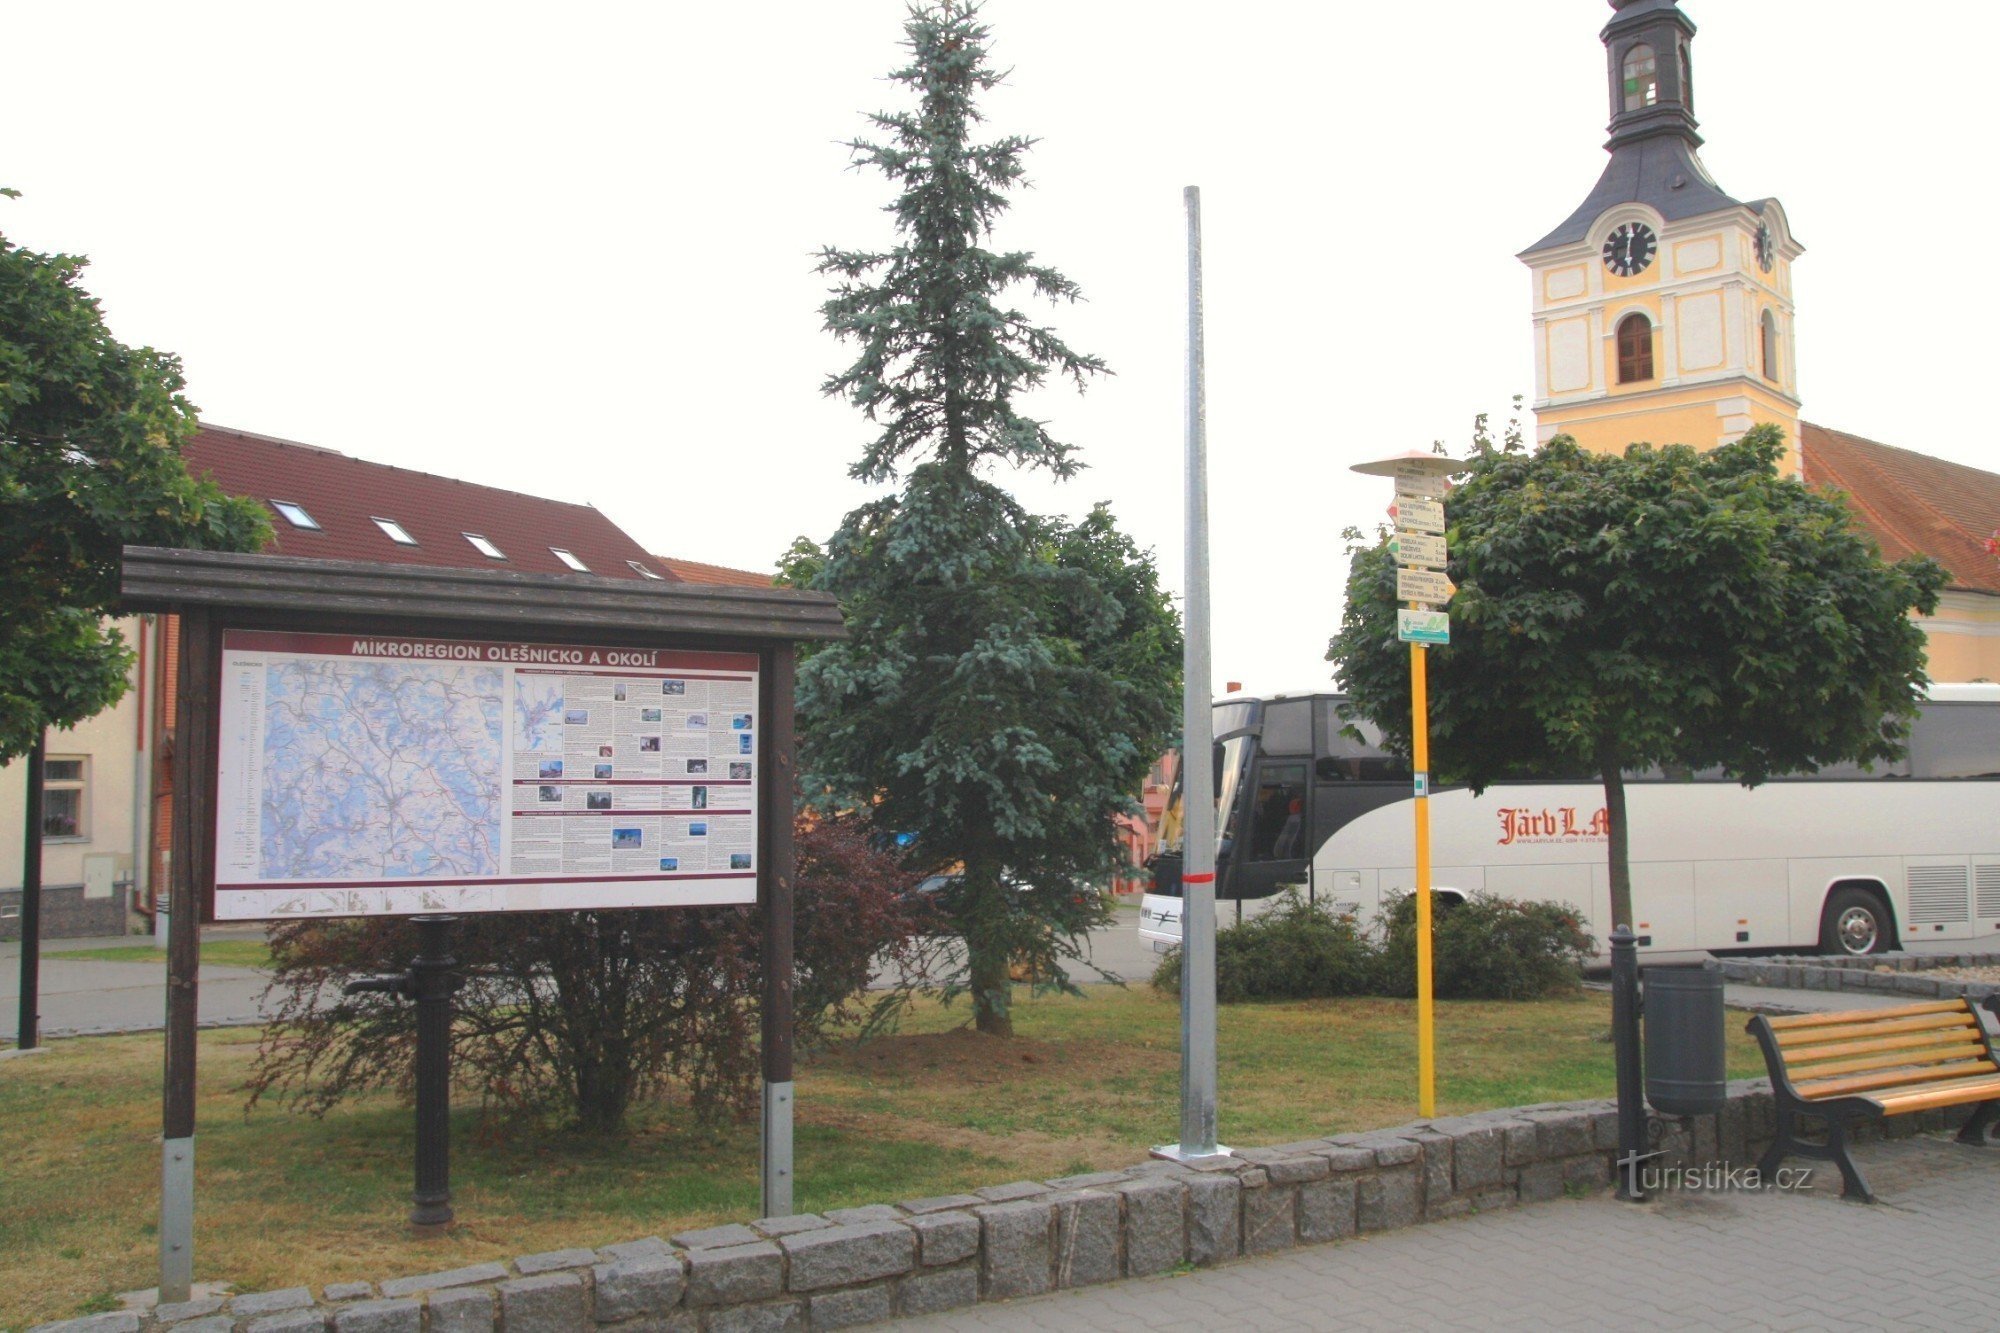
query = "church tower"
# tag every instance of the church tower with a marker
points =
(1663, 307)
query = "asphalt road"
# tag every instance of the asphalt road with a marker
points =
(84, 996)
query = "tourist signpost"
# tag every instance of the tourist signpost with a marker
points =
(1420, 553)
(355, 739)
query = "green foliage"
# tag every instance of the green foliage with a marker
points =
(1484, 948)
(1298, 950)
(1007, 682)
(1008, 677)
(941, 357)
(90, 438)
(578, 1015)
(1668, 607)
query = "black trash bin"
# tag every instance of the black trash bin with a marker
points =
(1686, 1066)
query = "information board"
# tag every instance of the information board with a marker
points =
(367, 776)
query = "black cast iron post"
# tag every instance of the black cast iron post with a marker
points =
(1625, 1006)
(431, 983)
(31, 904)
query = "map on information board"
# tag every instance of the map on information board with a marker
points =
(378, 776)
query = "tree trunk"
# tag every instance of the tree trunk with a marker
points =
(986, 950)
(1618, 849)
(992, 991)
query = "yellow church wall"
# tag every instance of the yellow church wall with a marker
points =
(1703, 415)
(1963, 637)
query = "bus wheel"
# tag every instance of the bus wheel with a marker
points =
(1854, 923)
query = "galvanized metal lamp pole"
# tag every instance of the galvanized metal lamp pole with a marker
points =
(1197, 776)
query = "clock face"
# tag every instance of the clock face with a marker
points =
(1766, 248)
(1630, 249)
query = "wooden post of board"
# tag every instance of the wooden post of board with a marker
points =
(194, 743)
(775, 781)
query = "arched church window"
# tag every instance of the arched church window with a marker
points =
(1635, 349)
(1642, 78)
(1770, 345)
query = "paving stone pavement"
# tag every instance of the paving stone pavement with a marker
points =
(1925, 1257)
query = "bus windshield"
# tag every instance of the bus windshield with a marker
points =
(1228, 765)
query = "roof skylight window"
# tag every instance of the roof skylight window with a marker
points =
(568, 559)
(295, 514)
(395, 532)
(643, 572)
(484, 547)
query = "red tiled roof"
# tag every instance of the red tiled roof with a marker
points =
(694, 571)
(1911, 503)
(345, 495)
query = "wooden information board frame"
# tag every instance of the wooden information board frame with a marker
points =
(214, 592)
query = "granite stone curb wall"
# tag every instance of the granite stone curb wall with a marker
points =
(1895, 973)
(862, 1265)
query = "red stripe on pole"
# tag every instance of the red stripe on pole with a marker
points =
(1198, 879)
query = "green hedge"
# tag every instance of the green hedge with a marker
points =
(1483, 948)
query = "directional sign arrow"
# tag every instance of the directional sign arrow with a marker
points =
(1423, 585)
(1416, 549)
(1418, 515)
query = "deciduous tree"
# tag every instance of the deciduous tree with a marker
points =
(90, 438)
(1665, 608)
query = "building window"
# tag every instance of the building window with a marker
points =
(642, 571)
(1635, 349)
(1770, 345)
(1642, 79)
(395, 532)
(65, 807)
(484, 547)
(1687, 78)
(568, 559)
(295, 515)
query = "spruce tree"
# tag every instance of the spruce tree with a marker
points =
(1009, 677)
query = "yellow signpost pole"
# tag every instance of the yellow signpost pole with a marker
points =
(1420, 553)
(1420, 755)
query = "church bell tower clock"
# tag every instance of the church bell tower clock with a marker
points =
(1663, 306)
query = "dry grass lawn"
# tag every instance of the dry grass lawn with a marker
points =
(1088, 1085)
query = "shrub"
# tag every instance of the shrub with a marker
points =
(1298, 950)
(578, 1014)
(1485, 948)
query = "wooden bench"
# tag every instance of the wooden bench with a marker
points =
(1864, 1064)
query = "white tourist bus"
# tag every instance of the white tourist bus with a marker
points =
(1842, 861)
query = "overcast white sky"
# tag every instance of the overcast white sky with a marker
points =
(568, 249)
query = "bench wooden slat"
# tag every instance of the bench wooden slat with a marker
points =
(1861, 1064)
(1948, 1094)
(1790, 1041)
(1813, 1055)
(1791, 1022)
(1814, 1090)
(1930, 1055)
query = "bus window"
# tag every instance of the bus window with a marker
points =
(1955, 740)
(1277, 831)
(1288, 727)
(1340, 758)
